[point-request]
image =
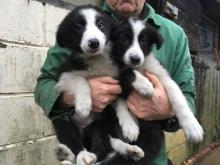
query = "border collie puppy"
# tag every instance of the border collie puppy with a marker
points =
(106, 136)
(130, 55)
(86, 31)
(132, 41)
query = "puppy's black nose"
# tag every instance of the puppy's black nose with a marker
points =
(93, 43)
(135, 60)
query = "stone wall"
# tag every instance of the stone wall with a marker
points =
(26, 32)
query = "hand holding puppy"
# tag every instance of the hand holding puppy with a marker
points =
(156, 107)
(104, 90)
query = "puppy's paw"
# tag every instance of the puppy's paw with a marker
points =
(192, 129)
(143, 86)
(83, 107)
(130, 130)
(135, 152)
(85, 158)
(60, 86)
(66, 162)
(63, 153)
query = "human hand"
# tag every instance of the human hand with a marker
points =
(104, 90)
(155, 108)
(66, 99)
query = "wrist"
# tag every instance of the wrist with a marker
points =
(67, 99)
(170, 124)
(63, 101)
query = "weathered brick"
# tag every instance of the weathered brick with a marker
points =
(22, 21)
(54, 15)
(21, 119)
(20, 67)
(39, 152)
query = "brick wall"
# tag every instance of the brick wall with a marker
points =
(27, 30)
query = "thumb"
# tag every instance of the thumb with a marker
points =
(153, 79)
(107, 80)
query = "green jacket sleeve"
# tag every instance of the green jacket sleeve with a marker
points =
(45, 94)
(183, 72)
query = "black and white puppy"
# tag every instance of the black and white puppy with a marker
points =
(131, 50)
(86, 32)
(127, 48)
(130, 54)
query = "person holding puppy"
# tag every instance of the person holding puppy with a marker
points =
(174, 55)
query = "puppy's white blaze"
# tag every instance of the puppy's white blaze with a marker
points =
(91, 31)
(137, 26)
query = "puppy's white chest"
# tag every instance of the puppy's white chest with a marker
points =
(101, 66)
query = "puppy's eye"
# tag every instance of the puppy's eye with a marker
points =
(79, 27)
(123, 38)
(143, 39)
(100, 24)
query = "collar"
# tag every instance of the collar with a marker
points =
(152, 15)
(147, 14)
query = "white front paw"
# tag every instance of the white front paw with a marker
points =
(64, 154)
(66, 162)
(192, 129)
(135, 152)
(83, 107)
(60, 86)
(144, 87)
(85, 158)
(130, 130)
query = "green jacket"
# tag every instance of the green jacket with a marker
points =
(174, 55)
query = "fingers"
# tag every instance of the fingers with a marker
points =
(107, 100)
(67, 99)
(145, 115)
(106, 85)
(113, 89)
(103, 91)
(140, 99)
(140, 106)
(100, 106)
(107, 80)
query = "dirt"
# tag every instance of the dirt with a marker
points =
(213, 158)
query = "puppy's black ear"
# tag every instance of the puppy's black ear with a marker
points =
(154, 36)
(64, 35)
(116, 28)
(113, 33)
(110, 21)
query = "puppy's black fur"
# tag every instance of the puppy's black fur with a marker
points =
(151, 132)
(69, 35)
(95, 137)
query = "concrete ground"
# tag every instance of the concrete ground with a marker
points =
(212, 158)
